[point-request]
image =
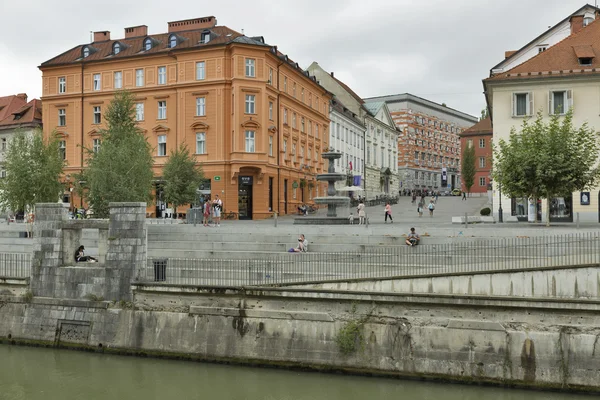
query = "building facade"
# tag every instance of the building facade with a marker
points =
(347, 135)
(428, 146)
(256, 122)
(565, 76)
(479, 136)
(380, 138)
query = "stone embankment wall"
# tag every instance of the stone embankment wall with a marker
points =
(499, 337)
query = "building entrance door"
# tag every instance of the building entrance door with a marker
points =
(285, 195)
(245, 197)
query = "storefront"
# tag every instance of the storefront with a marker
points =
(245, 193)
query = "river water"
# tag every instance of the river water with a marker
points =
(47, 374)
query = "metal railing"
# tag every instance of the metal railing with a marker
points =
(15, 265)
(380, 262)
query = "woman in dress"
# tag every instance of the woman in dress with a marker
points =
(361, 212)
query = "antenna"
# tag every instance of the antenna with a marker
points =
(91, 36)
(242, 31)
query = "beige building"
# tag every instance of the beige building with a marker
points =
(564, 76)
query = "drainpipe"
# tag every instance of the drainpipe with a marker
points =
(82, 134)
(279, 127)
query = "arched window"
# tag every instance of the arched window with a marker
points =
(116, 48)
(172, 41)
(147, 44)
(86, 52)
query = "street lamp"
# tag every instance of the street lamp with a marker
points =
(500, 217)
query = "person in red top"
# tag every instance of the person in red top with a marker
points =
(388, 213)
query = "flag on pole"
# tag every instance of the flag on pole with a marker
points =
(350, 165)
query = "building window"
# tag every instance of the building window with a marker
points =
(148, 44)
(285, 120)
(469, 143)
(522, 104)
(118, 80)
(317, 131)
(139, 112)
(482, 181)
(62, 117)
(481, 143)
(271, 110)
(302, 124)
(250, 141)
(162, 75)
(270, 76)
(285, 84)
(162, 145)
(200, 106)
(86, 52)
(201, 143)
(302, 95)
(284, 146)
(560, 102)
(270, 146)
(200, 70)
(62, 149)
(294, 120)
(62, 84)
(97, 114)
(162, 109)
(172, 41)
(96, 145)
(4, 144)
(96, 81)
(139, 77)
(250, 104)
(116, 48)
(481, 162)
(294, 90)
(250, 67)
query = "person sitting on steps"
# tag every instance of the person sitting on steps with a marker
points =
(302, 245)
(81, 257)
(413, 238)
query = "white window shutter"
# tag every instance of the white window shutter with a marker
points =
(514, 105)
(531, 108)
(550, 103)
(569, 100)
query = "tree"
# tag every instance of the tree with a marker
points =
(182, 178)
(33, 169)
(121, 171)
(484, 114)
(468, 167)
(547, 160)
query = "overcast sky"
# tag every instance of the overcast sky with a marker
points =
(437, 49)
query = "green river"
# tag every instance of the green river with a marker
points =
(47, 374)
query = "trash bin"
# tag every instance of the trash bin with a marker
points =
(160, 270)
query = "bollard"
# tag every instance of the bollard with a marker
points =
(466, 221)
(577, 220)
(366, 220)
(275, 218)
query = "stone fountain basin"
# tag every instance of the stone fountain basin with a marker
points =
(335, 200)
(331, 177)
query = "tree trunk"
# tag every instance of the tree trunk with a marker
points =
(548, 199)
(174, 211)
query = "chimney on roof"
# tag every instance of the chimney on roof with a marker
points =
(101, 36)
(509, 53)
(192, 24)
(135, 31)
(332, 74)
(22, 96)
(576, 23)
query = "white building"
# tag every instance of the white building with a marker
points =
(347, 135)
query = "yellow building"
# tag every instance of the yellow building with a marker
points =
(254, 119)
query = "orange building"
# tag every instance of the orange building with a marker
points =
(480, 136)
(256, 122)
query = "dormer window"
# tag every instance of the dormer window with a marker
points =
(205, 37)
(588, 18)
(585, 61)
(116, 48)
(148, 44)
(86, 52)
(172, 41)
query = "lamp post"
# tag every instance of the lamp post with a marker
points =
(500, 216)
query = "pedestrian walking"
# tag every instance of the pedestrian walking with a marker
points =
(464, 198)
(388, 213)
(206, 212)
(414, 198)
(420, 208)
(361, 212)
(431, 207)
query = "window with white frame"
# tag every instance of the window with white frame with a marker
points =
(62, 84)
(285, 119)
(62, 117)
(560, 102)
(469, 143)
(96, 145)
(285, 84)
(139, 77)
(2, 172)
(482, 181)
(482, 143)
(294, 150)
(201, 143)
(62, 149)
(148, 44)
(284, 146)
(96, 81)
(118, 80)
(271, 146)
(250, 67)
(200, 70)
(294, 120)
(162, 75)
(162, 145)
(271, 110)
(522, 104)
(200, 106)
(270, 76)
(162, 109)
(97, 115)
(172, 41)
(302, 95)
(250, 141)
(317, 131)
(4, 145)
(250, 104)
(294, 90)
(302, 124)
(116, 48)
(481, 162)
(139, 111)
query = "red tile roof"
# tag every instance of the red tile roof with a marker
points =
(562, 58)
(131, 47)
(480, 128)
(27, 114)
(8, 104)
(347, 89)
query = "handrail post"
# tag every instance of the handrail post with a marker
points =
(275, 218)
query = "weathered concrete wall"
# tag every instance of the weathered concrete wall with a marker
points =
(564, 283)
(543, 344)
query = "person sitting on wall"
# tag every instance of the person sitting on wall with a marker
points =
(413, 238)
(303, 209)
(81, 257)
(302, 246)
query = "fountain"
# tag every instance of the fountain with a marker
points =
(332, 201)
